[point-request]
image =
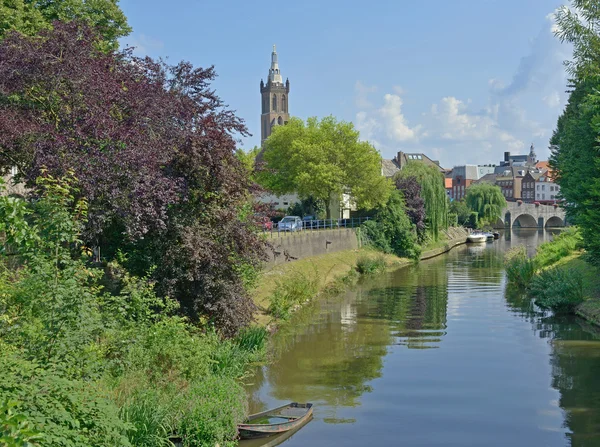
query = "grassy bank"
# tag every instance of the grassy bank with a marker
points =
(558, 277)
(315, 275)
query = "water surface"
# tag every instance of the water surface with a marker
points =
(438, 354)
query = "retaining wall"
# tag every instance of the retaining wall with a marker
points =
(290, 247)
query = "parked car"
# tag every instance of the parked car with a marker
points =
(290, 223)
(309, 222)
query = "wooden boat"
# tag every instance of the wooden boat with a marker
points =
(477, 237)
(278, 420)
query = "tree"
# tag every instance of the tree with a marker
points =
(575, 142)
(487, 201)
(462, 211)
(323, 159)
(29, 17)
(433, 192)
(152, 147)
(415, 205)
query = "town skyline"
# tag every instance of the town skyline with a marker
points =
(457, 98)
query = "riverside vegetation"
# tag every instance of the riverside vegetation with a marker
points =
(559, 276)
(91, 356)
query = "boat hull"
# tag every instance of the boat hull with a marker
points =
(476, 238)
(295, 413)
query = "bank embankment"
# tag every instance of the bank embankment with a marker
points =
(298, 281)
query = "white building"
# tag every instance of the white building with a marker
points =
(545, 189)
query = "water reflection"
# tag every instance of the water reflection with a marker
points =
(503, 372)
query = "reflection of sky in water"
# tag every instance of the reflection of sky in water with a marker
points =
(365, 360)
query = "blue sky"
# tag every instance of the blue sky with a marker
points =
(460, 80)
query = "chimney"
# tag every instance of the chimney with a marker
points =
(399, 159)
(506, 156)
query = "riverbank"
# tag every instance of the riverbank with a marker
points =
(558, 277)
(332, 271)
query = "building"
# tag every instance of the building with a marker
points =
(390, 167)
(275, 100)
(528, 185)
(546, 190)
(463, 176)
(274, 112)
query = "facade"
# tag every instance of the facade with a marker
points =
(528, 186)
(275, 100)
(546, 191)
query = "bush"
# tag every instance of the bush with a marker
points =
(520, 269)
(367, 265)
(558, 289)
(297, 289)
(69, 412)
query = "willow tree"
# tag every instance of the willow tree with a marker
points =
(433, 192)
(324, 159)
(487, 201)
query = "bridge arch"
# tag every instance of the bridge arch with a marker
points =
(554, 221)
(525, 220)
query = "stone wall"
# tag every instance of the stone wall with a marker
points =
(290, 247)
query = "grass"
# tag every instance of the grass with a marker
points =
(367, 265)
(333, 270)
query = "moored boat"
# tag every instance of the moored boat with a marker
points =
(477, 237)
(274, 421)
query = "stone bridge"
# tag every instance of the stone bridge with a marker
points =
(528, 215)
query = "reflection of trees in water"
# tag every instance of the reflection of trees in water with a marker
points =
(332, 359)
(575, 362)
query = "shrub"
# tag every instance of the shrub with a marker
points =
(520, 269)
(558, 289)
(366, 265)
(69, 412)
(295, 290)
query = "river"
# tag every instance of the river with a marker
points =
(442, 353)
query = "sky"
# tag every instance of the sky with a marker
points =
(462, 81)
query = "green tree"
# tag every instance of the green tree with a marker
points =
(433, 192)
(487, 201)
(31, 16)
(462, 211)
(324, 159)
(248, 159)
(575, 143)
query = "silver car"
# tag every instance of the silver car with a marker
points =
(290, 223)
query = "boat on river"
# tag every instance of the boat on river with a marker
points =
(278, 420)
(477, 237)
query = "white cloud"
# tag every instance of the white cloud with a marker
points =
(361, 95)
(394, 121)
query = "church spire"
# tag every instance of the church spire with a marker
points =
(274, 73)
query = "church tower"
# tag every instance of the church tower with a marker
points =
(274, 100)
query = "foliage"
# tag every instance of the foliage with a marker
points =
(392, 231)
(93, 356)
(461, 210)
(68, 412)
(30, 17)
(473, 221)
(433, 192)
(15, 428)
(575, 142)
(520, 268)
(561, 246)
(153, 148)
(487, 201)
(309, 206)
(295, 290)
(323, 159)
(415, 205)
(559, 289)
(366, 265)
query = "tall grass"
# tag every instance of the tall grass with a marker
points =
(561, 246)
(297, 289)
(520, 268)
(366, 265)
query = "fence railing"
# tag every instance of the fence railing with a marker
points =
(314, 225)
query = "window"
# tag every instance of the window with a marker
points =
(280, 121)
(274, 103)
(419, 157)
(283, 105)
(543, 187)
(538, 187)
